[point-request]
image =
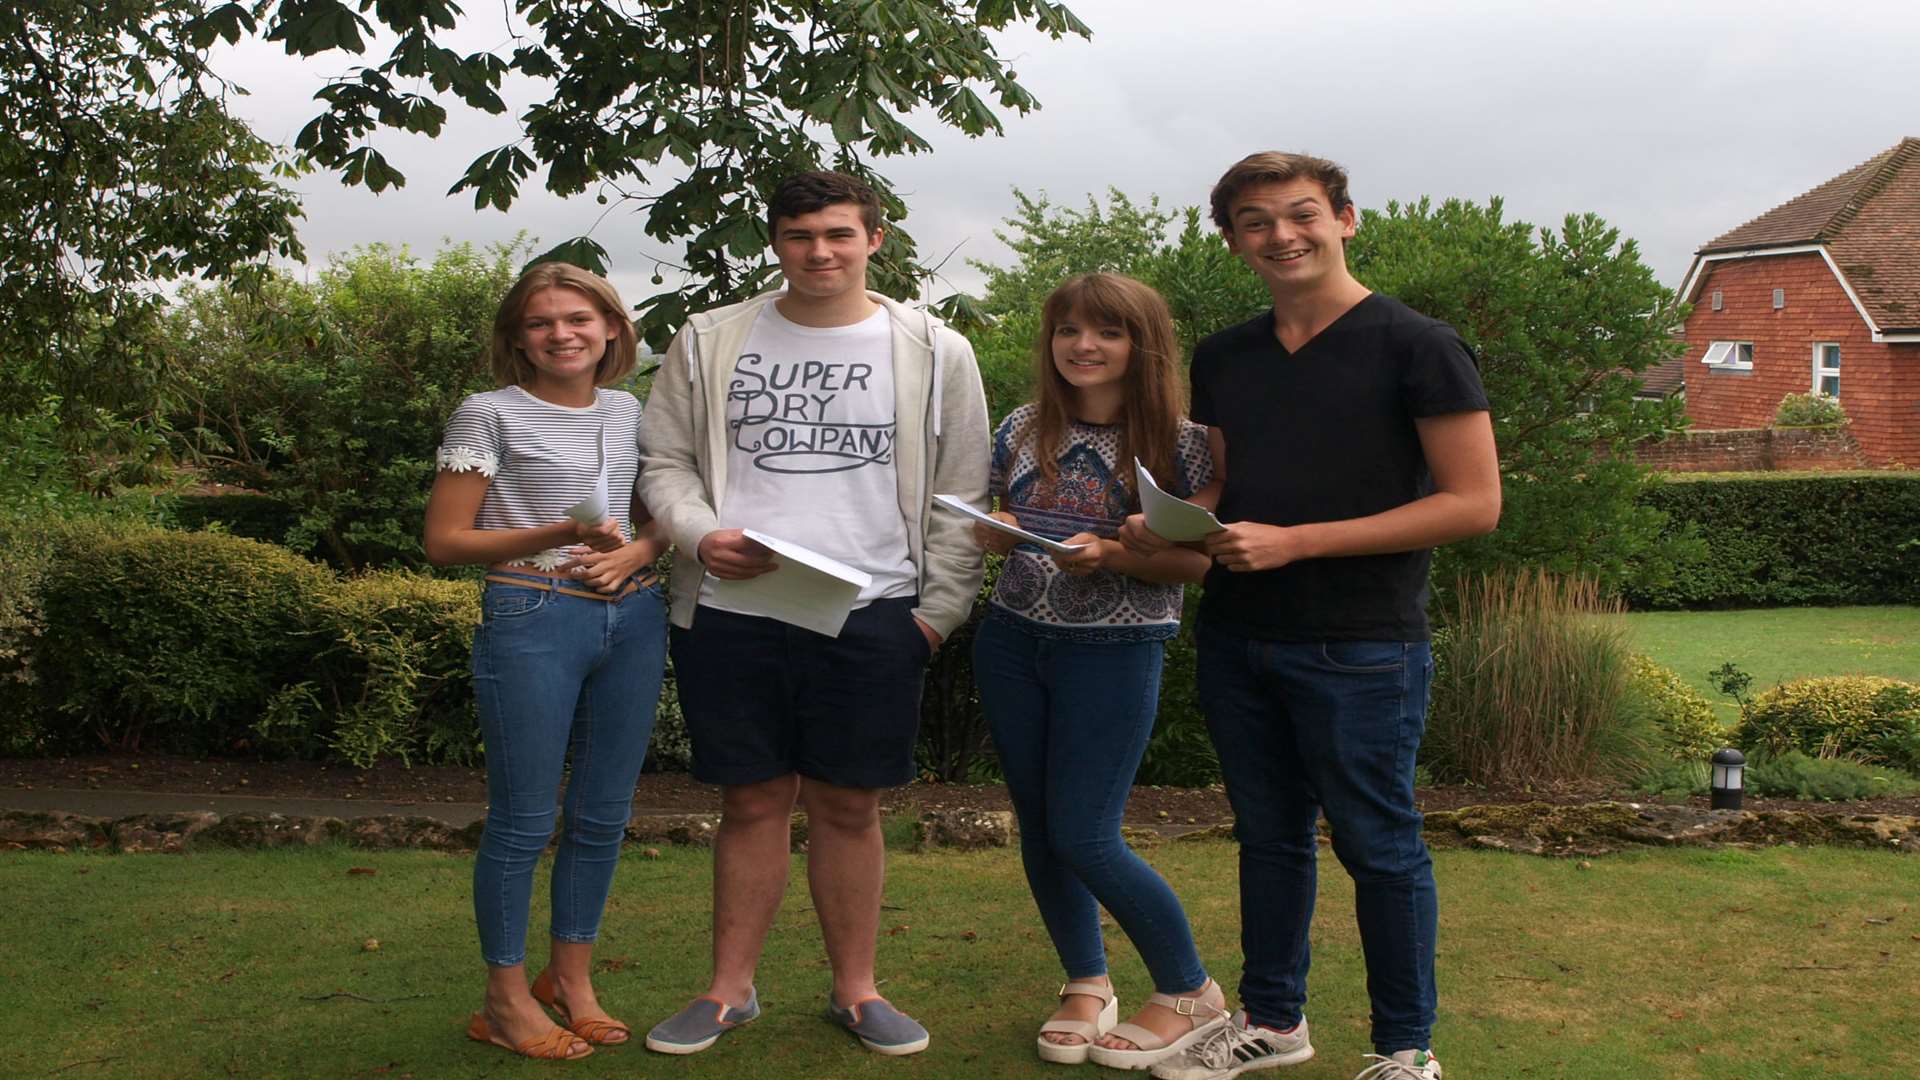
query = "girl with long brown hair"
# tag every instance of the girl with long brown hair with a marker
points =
(1068, 660)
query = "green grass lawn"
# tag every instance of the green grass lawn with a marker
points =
(1676, 964)
(1777, 644)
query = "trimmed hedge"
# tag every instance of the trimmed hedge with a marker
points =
(146, 638)
(1785, 539)
(159, 638)
(117, 633)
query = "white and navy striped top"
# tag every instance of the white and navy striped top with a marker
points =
(543, 458)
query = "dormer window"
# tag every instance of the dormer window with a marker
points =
(1730, 355)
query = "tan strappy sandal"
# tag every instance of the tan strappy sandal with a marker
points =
(558, 1044)
(601, 1031)
(1075, 1053)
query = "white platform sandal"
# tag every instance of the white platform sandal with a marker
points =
(1150, 1049)
(1075, 1053)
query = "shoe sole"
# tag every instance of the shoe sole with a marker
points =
(897, 1049)
(1062, 1053)
(661, 1046)
(1293, 1057)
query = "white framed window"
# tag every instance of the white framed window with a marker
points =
(1826, 368)
(1732, 355)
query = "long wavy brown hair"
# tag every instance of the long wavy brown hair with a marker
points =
(1155, 400)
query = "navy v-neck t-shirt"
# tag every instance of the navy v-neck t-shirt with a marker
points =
(1326, 434)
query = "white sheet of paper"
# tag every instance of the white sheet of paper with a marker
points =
(808, 590)
(955, 503)
(1173, 518)
(593, 509)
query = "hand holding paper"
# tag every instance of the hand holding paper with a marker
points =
(732, 555)
(805, 588)
(593, 509)
(1051, 546)
(1173, 518)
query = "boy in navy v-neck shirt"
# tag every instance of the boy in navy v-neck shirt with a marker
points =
(1352, 435)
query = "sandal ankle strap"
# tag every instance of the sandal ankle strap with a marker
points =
(1091, 989)
(1186, 1005)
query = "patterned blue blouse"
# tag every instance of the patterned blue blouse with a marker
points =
(1037, 596)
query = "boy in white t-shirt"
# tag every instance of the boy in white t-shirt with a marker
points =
(828, 416)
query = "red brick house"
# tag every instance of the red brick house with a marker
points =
(1820, 293)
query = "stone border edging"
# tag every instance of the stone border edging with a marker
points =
(1529, 828)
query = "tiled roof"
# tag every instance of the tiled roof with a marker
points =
(1869, 219)
(1664, 379)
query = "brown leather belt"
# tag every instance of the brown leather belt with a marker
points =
(633, 586)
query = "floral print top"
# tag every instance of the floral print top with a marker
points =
(1035, 594)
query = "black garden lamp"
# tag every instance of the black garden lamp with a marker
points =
(1729, 779)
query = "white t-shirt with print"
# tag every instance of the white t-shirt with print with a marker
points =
(810, 457)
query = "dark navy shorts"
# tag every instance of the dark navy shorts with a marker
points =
(763, 698)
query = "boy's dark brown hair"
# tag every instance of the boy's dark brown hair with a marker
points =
(1155, 400)
(804, 193)
(1275, 167)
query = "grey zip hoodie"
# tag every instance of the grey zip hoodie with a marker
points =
(942, 448)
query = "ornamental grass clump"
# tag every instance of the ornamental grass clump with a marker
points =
(1534, 686)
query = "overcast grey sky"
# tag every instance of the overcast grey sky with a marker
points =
(1674, 120)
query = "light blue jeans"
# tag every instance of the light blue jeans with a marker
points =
(559, 677)
(1071, 720)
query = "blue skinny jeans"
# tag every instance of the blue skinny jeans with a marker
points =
(1329, 726)
(559, 677)
(1070, 721)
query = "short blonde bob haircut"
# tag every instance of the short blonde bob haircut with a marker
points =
(509, 361)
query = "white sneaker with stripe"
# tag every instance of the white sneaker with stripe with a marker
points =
(1235, 1049)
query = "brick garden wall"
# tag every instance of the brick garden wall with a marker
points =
(1754, 450)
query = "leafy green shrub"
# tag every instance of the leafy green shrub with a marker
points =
(1534, 686)
(117, 633)
(1180, 752)
(31, 545)
(1794, 775)
(1675, 778)
(392, 680)
(330, 395)
(1688, 727)
(1809, 410)
(256, 517)
(671, 749)
(954, 743)
(170, 640)
(1864, 717)
(1782, 539)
